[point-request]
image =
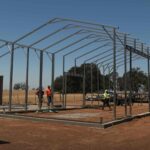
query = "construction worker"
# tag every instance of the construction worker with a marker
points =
(49, 97)
(106, 99)
(40, 94)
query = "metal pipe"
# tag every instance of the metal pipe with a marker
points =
(3, 45)
(27, 82)
(87, 44)
(63, 82)
(93, 50)
(59, 41)
(73, 43)
(53, 75)
(85, 22)
(84, 86)
(114, 72)
(97, 79)
(98, 55)
(11, 76)
(125, 74)
(35, 30)
(41, 76)
(109, 76)
(91, 80)
(18, 46)
(103, 78)
(130, 98)
(148, 68)
(75, 62)
(65, 89)
(49, 35)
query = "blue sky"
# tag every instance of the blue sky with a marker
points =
(21, 16)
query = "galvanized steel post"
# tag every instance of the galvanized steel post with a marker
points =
(65, 100)
(53, 74)
(11, 76)
(91, 80)
(114, 72)
(41, 76)
(103, 78)
(109, 77)
(75, 66)
(125, 73)
(27, 76)
(97, 80)
(84, 88)
(148, 78)
(63, 82)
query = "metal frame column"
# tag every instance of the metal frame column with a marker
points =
(103, 78)
(130, 98)
(11, 75)
(148, 60)
(53, 74)
(65, 98)
(41, 75)
(97, 80)
(63, 83)
(109, 77)
(84, 88)
(125, 73)
(91, 80)
(114, 72)
(27, 82)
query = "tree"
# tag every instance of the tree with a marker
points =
(20, 85)
(139, 78)
(75, 83)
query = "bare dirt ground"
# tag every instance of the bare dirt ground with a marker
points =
(95, 115)
(29, 135)
(33, 135)
(75, 101)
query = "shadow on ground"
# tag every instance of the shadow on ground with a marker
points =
(4, 142)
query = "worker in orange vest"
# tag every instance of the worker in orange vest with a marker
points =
(49, 97)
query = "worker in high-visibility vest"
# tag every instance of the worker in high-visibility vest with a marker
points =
(49, 97)
(106, 99)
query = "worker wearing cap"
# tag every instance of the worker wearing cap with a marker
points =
(106, 100)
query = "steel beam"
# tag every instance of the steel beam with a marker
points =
(41, 76)
(53, 76)
(84, 86)
(125, 73)
(136, 51)
(59, 41)
(11, 76)
(114, 73)
(97, 79)
(91, 80)
(27, 82)
(35, 30)
(148, 69)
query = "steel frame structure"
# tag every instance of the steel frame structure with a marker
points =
(81, 34)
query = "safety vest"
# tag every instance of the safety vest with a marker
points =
(48, 92)
(106, 95)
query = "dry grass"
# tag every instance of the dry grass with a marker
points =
(19, 98)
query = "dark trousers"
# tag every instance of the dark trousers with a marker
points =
(106, 103)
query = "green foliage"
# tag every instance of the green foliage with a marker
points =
(139, 78)
(18, 86)
(75, 84)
